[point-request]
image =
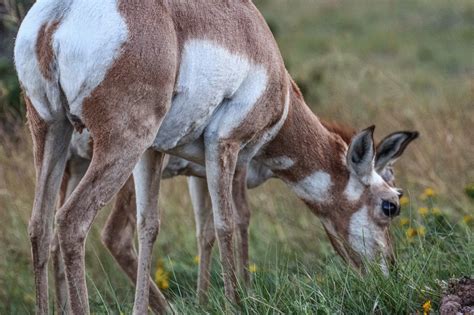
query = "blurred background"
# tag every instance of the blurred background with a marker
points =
(401, 65)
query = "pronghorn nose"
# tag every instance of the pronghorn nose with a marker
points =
(390, 209)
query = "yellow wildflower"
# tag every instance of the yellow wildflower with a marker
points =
(429, 192)
(467, 218)
(421, 230)
(253, 268)
(404, 221)
(196, 259)
(436, 211)
(423, 211)
(427, 307)
(161, 276)
(410, 232)
(404, 201)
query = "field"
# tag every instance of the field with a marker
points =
(396, 64)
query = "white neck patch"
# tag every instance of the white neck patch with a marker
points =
(315, 187)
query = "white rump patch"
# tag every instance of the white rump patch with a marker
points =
(315, 187)
(87, 43)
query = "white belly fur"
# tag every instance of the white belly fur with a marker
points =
(216, 89)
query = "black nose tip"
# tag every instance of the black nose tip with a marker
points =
(390, 209)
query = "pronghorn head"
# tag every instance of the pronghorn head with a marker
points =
(357, 222)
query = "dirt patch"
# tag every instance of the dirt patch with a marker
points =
(459, 298)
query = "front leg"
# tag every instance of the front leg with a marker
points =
(221, 157)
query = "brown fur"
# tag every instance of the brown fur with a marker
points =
(345, 132)
(227, 152)
(236, 25)
(38, 129)
(123, 115)
(44, 48)
(64, 184)
(125, 111)
(240, 28)
(307, 142)
(138, 71)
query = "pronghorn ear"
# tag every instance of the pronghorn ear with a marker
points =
(361, 153)
(392, 147)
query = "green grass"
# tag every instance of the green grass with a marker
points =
(396, 64)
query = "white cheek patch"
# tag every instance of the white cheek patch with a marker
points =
(361, 233)
(279, 163)
(365, 236)
(314, 188)
(354, 189)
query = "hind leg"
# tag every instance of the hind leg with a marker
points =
(106, 175)
(51, 144)
(75, 169)
(121, 136)
(221, 158)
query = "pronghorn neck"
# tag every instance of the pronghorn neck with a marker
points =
(306, 155)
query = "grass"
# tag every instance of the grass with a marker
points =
(399, 65)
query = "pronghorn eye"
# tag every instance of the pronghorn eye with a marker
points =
(390, 209)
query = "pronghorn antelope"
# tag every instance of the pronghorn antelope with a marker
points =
(201, 80)
(118, 233)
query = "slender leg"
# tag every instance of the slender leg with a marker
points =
(108, 171)
(239, 189)
(147, 174)
(205, 232)
(118, 235)
(51, 143)
(75, 169)
(60, 285)
(221, 157)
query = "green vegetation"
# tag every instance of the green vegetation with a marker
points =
(395, 64)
